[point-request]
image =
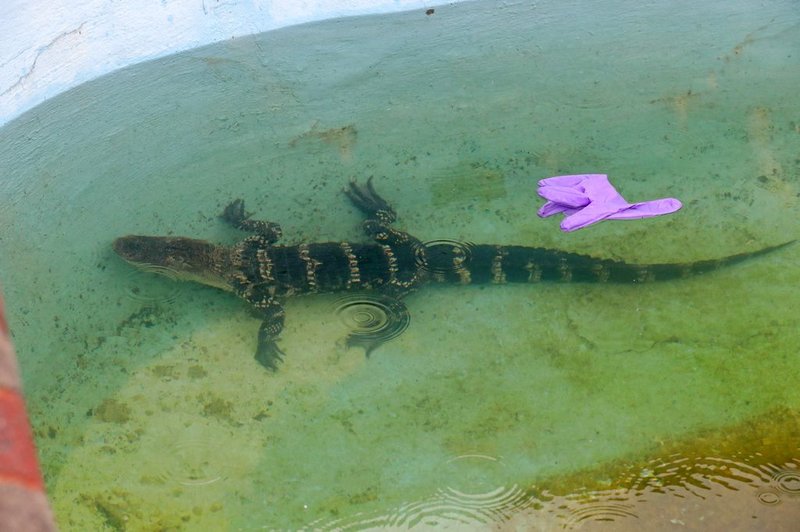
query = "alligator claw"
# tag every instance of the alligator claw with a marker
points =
(269, 355)
(368, 201)
(235, 215)
(234, 212)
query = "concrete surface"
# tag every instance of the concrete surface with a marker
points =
(47, 47)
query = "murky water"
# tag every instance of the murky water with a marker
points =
(548, 406)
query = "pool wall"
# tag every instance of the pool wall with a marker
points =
(49, 47)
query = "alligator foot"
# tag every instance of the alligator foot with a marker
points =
(235, 215)
(268, 354)
(370, 203)
(380, 215)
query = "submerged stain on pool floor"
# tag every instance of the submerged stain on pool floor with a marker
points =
(548, 406)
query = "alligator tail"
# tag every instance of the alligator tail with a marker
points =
(483, 263)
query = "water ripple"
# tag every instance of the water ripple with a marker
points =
(598, 510)
(443, 257)
(788, 482)
(193, 461)
(769, 498)
(371, 319)
(475, 493)
(140, 285)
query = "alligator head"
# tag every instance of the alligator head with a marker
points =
(185, 259)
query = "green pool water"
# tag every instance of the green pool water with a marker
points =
(507, 407)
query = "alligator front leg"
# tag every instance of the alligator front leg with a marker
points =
(234, 214)
(268, 354)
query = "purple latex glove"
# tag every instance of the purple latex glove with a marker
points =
(590, 198)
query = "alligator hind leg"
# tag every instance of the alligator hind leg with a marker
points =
(234, 214)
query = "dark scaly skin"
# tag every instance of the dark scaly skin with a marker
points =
(395, 263)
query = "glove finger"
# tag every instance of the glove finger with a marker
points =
(586, 216)
(549, 209)
(647, 209)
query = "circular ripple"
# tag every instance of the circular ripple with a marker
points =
(194, 462)
(692, 473)
(788, 482)
(770, 498)
(598, 511)
(474, 492)
(450, 509)
(142, 286)
(443, 257)
(472, 474)
(492, 505)
(371, 320)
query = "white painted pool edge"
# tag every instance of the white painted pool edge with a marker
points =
(49, 46)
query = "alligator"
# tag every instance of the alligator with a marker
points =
(264, 273)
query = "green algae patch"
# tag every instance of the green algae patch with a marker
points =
(113, 411)
(120, 510)
(214, 406)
